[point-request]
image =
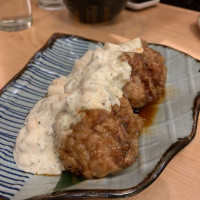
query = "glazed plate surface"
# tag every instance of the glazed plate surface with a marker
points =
(173, 127)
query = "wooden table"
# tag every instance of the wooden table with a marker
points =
(162, 24)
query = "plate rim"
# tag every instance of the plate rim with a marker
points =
(173, 150)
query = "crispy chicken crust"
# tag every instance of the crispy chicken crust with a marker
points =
(102, 143)
(148, 76)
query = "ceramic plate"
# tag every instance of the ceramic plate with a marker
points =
(173, 128)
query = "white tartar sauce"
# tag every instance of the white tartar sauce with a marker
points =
(96, 81)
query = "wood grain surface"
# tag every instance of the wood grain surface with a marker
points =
(162, 24)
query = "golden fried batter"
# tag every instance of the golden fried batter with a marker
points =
(102, 143)
(148, 76)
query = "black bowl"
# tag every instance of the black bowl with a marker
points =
(95, 11)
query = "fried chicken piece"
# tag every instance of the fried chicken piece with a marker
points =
(148, 76)
(102, 142)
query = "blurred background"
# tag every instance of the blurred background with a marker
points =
(189, 4)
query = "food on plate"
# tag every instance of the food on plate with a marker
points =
(85, 124)
(148, 76)
(102, 142)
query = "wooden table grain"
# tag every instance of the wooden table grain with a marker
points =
(162, 24)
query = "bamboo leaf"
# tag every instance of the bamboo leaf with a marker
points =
(67, 179)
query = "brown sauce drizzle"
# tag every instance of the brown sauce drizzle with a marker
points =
(149, 111)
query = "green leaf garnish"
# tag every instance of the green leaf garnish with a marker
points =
(67, 179)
